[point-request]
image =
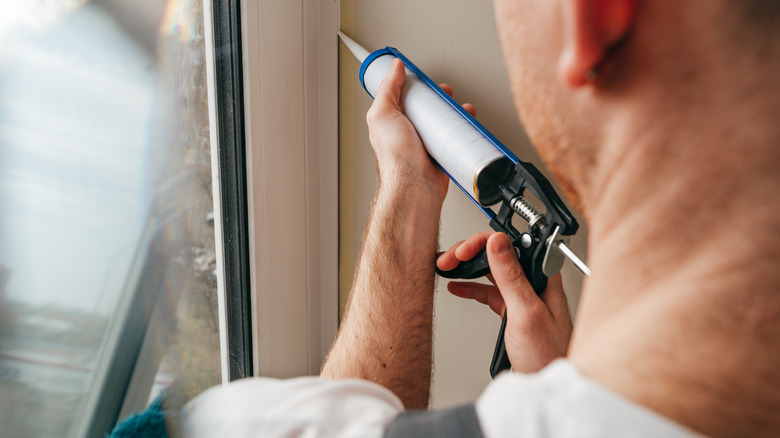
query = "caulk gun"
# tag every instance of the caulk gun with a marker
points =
(487, 172)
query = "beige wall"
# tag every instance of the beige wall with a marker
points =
(454, 42)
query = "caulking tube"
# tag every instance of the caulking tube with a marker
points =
(468, 156)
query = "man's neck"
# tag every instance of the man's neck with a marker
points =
(682, 313)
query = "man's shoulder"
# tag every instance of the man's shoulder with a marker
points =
(561, 402)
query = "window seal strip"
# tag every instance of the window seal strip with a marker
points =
(228, 67)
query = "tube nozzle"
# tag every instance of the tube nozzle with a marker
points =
(360, 53)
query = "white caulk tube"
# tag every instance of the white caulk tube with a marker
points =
(471, 159)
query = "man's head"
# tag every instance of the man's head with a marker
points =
(580, 68)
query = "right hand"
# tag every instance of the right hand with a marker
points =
(538, 327)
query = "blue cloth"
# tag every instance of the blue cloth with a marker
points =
(149, 423)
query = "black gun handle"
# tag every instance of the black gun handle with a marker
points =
(476, 267)
(500, 360)
(479, 267)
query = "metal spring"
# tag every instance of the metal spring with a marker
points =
(527, 211)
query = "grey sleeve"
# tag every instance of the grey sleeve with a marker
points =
(457, 422)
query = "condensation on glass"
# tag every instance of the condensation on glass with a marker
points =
(105, 203)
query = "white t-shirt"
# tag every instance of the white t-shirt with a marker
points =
(557, 402)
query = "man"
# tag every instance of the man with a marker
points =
(659, 119)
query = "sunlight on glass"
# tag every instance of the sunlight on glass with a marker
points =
(36, 14)
(106, 225)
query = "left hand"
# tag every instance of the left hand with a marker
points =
(538, 327)
(401, 156)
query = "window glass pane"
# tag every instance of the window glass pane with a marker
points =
(107, 253)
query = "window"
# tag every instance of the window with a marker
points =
(108, 256)
(153, 156)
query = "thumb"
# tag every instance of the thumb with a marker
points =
(509, 276)
(390, 88)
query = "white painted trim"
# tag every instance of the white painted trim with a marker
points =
(290, 92)
(216, 189)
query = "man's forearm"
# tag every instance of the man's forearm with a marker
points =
(386, 334)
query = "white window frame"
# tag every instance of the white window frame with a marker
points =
(291, 119)
(216, 187)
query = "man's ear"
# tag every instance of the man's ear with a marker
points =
(591, 27)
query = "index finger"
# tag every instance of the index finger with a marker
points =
(447, 260)
(472, 246)
(450, 259)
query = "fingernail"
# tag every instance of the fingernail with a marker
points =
(501, 244)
